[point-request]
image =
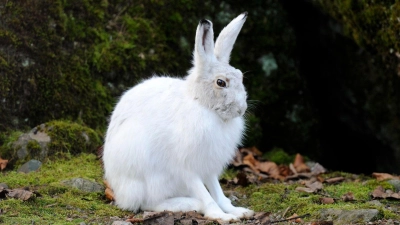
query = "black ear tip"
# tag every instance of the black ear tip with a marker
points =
(204, 21)
(245, 14)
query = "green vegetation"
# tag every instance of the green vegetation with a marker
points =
(67, 138)
(278, 197)
(279, 156)
(370, 23)
(58, 204)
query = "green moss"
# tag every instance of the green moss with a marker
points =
(73, 138)
(279, 156)
(369, 23)
(59, 203)
(33, 147)
(276, 198)
(6, 139)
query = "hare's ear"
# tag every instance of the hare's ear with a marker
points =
(204, 43)
(227, 38)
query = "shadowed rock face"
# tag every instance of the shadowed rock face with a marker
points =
(353, 91)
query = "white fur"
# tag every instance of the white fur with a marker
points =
(169, 139)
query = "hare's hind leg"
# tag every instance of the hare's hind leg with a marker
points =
(129, 194)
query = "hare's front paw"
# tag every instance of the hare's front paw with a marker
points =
(241, 212)
(221, 216)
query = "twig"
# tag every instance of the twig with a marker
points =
(284, 220)
(286, 210)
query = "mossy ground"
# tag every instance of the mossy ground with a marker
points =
(58, 204)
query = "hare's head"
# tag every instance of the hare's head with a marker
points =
(212, 81)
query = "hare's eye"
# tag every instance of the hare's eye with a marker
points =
(221, 83)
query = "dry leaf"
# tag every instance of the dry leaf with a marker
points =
(251, 162)
(299, 164)
(316, 185)
(304, 189)
(252, 150)
(284, 170)
(268, 167)
(334, 180)
(132, 219)
(348, 197)
(241, 179)
(20, 194)
(3, 163)
(108, 191)
(318, 169)
(379, 192)
(325, 200)
(294, 218)
(383, 176)
(238, 159)
(262, 218)
(291, 167)
(155, 218)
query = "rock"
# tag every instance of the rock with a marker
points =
(33, 143)
(395, 183)
(30, 166)
(84, 185)
(375, 202)
(341, 217)
(121, 223)
(4, 185)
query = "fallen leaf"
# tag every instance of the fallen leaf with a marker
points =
(325, 200)
(304, 189)
(3, 163)
(295, 218)
(322, 223)
(334, 180)
(383, 176)
(238, 159)
(292, 168)
(250, 161)
(241, 179)
(252, 150)
(108, 191)
(284, 170)
(19, 194)
(153, 218)
(268, 167)
(318, 169)
(379, 192)
(135, 220)
(262, 218)
(299, 164)
(314, 185)
(109, 194)
(348, 197)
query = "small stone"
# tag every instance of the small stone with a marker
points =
(30, 166)
(375, 202)
(4, 185)
(395, 183)
(84, 185)
(341, 217)
(82, 223)
(121, 223)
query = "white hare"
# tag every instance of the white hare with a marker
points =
(169, 139)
